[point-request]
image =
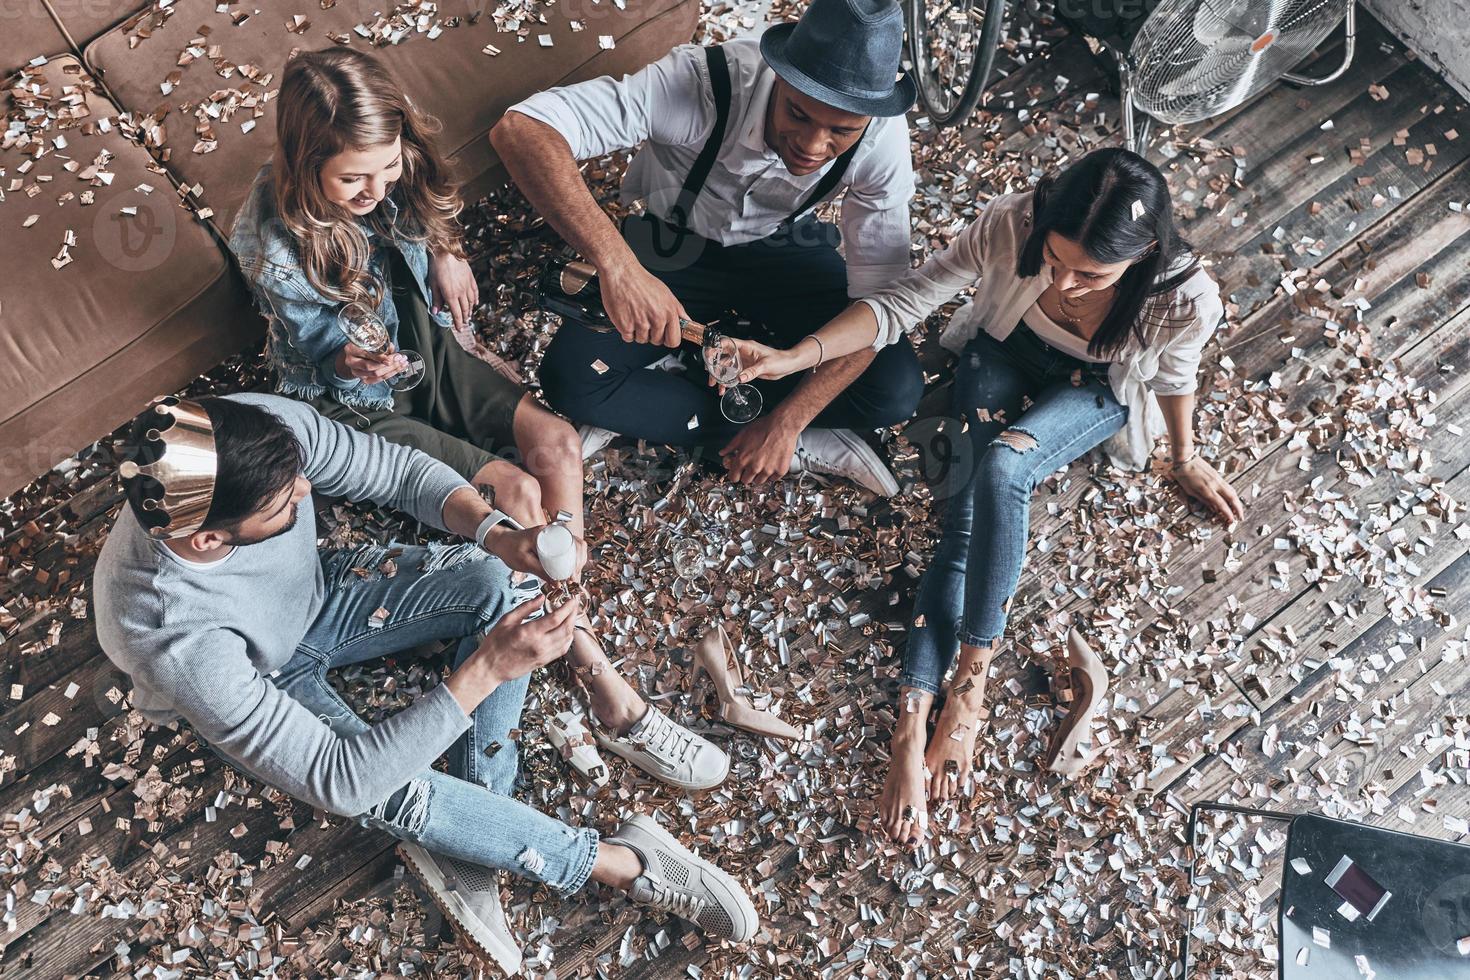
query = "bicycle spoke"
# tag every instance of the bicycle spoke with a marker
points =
(945, 44)
(937, 16)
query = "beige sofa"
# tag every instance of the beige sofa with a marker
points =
(108, 119)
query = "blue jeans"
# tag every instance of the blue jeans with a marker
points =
(968, 586)
(439, 593)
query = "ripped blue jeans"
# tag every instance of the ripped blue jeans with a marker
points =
(439, 593)
(1031, 410)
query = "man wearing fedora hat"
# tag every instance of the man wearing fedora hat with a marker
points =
(738, 144)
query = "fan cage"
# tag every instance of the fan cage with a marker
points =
(1194, 59)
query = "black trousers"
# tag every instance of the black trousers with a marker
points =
(787, 286)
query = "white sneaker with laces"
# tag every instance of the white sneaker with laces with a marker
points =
(675, 880)
(842, 452)
(470, 895)
(668, 752)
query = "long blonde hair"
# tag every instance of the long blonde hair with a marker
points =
(340, 99)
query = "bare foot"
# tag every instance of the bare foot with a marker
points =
(951, 752)
(903, 809)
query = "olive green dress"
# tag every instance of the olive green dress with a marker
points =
(463, 410)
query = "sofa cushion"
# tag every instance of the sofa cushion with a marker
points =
(27, 31)
(94, 260)
(233, 71)
(647, 42)
(164, 358)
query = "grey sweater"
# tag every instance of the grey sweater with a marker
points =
(198, 640)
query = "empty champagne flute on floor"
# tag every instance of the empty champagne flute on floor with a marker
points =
(687, 556)
(740, 402)
(366, 329)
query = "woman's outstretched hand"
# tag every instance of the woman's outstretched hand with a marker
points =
(759, 362)
(1204, 483)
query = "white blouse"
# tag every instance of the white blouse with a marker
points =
(1058, 336)
(1177, 324)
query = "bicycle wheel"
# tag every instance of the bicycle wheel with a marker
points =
(952, 45)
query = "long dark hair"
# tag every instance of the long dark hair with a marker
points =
(1092, 203)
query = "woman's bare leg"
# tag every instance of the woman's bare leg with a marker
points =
(615, 704)
(513, 489)
(553, 456)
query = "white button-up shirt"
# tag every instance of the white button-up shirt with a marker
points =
(668, 109)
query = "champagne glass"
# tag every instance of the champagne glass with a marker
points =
(741, 402)
(687, 556)
(365, 329)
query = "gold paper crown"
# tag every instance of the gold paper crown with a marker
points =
(183, 463)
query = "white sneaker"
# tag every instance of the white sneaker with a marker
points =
(842, 452)
(594, 439)
(669, 752)
(470, 895)
(677, 881)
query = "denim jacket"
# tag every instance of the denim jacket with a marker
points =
(304, 339)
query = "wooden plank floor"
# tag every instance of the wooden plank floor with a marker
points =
(1307, 661)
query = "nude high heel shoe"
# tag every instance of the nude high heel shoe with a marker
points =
(714, 656)
(1071, 750)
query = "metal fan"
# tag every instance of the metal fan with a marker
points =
(1193, 59)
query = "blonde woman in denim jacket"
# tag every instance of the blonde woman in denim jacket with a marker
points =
(357, 208)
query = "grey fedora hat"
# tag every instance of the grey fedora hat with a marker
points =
(845, 54)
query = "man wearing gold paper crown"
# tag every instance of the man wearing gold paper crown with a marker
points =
(212, 596)
(738, 143)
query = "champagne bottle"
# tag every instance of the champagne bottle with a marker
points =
(578, 284)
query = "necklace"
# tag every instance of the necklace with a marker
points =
(1065, 304)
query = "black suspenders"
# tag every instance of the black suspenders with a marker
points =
(719, 78)
(719, 81)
